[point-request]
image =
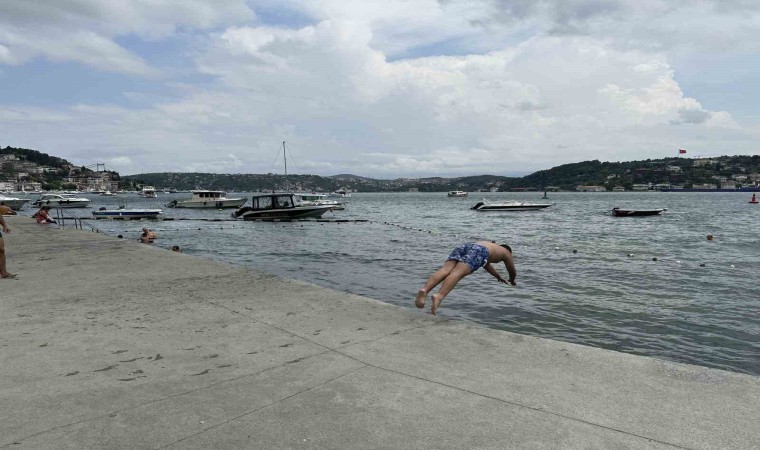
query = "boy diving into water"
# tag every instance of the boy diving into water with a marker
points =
(464, 260)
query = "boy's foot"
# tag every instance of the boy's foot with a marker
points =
(8, 275)
(420, 299)
(436, 301)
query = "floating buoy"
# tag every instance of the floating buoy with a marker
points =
(754, 198)
(732, 266)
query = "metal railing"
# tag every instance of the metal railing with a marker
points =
(62, 216)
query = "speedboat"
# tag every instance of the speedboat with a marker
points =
(207, 199)
(485, 205)
(342, 193)
(107, 194)
(62, 201)
(457, 194)
(128, 214)
(313, 198)
(13, 203)
(148, 192)
(617, 212)
(279, 206)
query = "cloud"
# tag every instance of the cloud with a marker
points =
(398, 88)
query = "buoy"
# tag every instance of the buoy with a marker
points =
(754, 198)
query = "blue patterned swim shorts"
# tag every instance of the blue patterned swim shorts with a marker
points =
(474, 255)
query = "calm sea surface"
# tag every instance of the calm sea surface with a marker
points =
(698, 303)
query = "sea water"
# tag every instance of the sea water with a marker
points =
(653, 286)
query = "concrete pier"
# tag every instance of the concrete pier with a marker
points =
(109, 343)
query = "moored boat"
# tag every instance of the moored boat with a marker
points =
(62, 201)
(279, 206)
(203, 198)
(457, 194)
(485, 205)
(148, 192)
(618, 212)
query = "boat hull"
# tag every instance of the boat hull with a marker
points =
(516, 206)
(299, 212)
(636, 212)
(128, 214)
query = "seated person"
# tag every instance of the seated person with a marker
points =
(42, 216)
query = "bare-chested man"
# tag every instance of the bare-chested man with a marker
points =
(4, 273)
(464, 260)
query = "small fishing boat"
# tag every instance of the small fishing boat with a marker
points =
(485, 205)
(207, 199)
(618, 212)
(128, 214)
(457, 194)
(279, 206)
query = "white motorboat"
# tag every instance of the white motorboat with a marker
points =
(208, 199)
(457, 194)
(128, 214)
(279, 206)
(13, 203)
(485, 205)
(340, 193)
(62, 201)
(317, 199)
(148, 192)
(107, 194)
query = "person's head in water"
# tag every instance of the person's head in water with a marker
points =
(507, 247)
(175, 248)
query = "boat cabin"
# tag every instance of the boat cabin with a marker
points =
(272, 201)
(208, 195)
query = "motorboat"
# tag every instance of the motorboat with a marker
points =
(128, 214)
(457, 194)
(279, 206)
(314, 198)
(148, 192)
(207, 199)
(107, 194)
(485, 205)
(340, 193)
(13, 203)
(62, 201)
(618, 212)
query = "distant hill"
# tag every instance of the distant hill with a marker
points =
(719, 171)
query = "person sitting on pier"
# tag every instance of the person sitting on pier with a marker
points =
(147, 236)
(464, 260)
(43, 216)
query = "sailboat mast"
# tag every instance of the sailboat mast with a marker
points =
(285, 157)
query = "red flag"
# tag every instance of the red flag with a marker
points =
(681, 151)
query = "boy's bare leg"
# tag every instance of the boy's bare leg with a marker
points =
(433, 281)
(4, 273)
(460, 271)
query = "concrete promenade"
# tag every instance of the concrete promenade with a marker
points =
(108, 343)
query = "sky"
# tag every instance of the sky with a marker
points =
(378, 88)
